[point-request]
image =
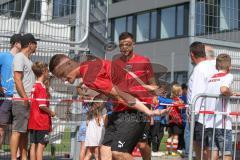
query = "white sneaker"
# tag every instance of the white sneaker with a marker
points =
(160, 154)
(157, 154)
(154, 154)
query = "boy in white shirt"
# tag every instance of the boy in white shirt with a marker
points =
(219, 83)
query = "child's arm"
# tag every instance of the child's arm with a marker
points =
(162, 112)
(151, 121)
(46, 109)
(225, 86)
(105, 120)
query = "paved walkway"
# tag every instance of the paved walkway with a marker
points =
(163, 158)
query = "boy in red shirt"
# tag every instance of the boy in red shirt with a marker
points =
(39, 124)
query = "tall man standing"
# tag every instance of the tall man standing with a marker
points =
(7, 83)
(24, 80)
(197, 84)
(140, 67)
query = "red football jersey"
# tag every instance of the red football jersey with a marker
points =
(102, 75)
(96, 75)
(142, 68)
(175, 114)
(39, 119)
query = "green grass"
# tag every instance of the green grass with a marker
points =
(162, 147)
(64, 146)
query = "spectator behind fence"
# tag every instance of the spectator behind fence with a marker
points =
(197, 84)
(84, 94)
(184, 138)
(175, 124)
(7, 83)
(39, 124)
(24, 80)
(219, 83)
(157, 129)
(96, 122)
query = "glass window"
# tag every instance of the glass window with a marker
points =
(200, 17)
(153, 25)
(180, 20)
(228, 14)
(168, 22)
(120, 26)
(142, 27)
(130, 24)
(63, 7)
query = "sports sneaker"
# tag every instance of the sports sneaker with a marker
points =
(154, 154)
(174, 154)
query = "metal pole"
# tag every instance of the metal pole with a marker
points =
(191, 39)
(81, 11)
(191, 33)
(78, 23)
(24, 13)
(172, 66)
(107, 15)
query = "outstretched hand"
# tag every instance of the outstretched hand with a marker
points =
(162, 112)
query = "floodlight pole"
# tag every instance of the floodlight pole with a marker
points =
(192, 28)
(23, 16)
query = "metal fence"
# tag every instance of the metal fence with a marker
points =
(62, 26)
(204, 112)
(218, 19)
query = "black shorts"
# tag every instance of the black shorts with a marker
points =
(175, 129)
(146, 133)
(39, 136)
(124, 130)
(198, 131)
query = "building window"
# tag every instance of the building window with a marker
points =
(120, 26)
(180, 20)
(115, 1)
(155, 24)
(168, 22)
(229, 14)
(216, 15)
(130, 24)
(153, 31)
(63, 7)
(142, 27)
(200, 17)
(15, 8)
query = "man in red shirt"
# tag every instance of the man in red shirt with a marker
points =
(136, 66)
(98, 75)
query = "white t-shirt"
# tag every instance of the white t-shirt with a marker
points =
(198, 82)
(220, 105)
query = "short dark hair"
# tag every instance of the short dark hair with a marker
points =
(125, 35)
(38, 68)
(15, 38)
(198, 49)
(184, 86)
(223, 62)
(55, 60)
(26, 39)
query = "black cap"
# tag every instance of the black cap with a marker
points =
(15, 38)
(28, 38)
